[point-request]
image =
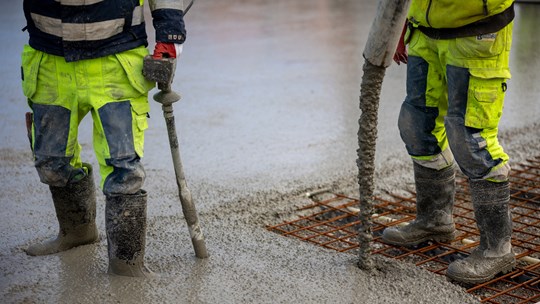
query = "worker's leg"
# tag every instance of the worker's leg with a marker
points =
(422, 129)
(50, 85)
(477, 73)
(120, 112)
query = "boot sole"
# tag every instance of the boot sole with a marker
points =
(441, 238)
(467, 280)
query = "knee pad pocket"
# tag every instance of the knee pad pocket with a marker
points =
(116, 120)
(51, 130)
(127, 176)
(415, 125)
(57, 171)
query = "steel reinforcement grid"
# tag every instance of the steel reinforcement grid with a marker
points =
(332, 223)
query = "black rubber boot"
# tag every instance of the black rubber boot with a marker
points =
(125, 221)
(434, 203)
(494, 255)
(75, 207)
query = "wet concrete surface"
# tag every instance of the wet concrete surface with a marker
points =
(269, 111)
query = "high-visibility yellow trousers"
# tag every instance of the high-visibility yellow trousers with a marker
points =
(455, 96)
(60, 94)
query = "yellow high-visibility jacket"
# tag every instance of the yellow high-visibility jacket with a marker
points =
(453, 13)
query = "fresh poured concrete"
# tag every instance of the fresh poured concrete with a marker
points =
(269, 111)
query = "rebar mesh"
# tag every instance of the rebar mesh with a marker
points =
(333, 222)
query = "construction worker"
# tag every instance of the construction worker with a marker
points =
(457, 67)
(87, 56)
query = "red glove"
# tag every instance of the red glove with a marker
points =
(401, 51)
(167, 50)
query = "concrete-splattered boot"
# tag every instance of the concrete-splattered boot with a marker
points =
(75, 206)
(494, 255)
(435, 191)
(125, 221)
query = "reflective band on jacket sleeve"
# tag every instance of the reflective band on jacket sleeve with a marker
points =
(85, 31)
(138, 16)
(161, 4)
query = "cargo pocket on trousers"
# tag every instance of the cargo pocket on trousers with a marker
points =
(30, 61)
(485, 102)
(140, 124)
(132, 63)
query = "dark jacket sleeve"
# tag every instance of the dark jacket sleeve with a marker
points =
(169, 25)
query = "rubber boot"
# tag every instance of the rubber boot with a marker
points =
(495, 254)
(125, 221)
(434, 204)
(75, 206)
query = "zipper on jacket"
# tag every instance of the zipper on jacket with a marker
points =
(427, 12)
(485, 7)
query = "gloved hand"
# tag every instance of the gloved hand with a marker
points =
(401, 51)
(167, 50)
